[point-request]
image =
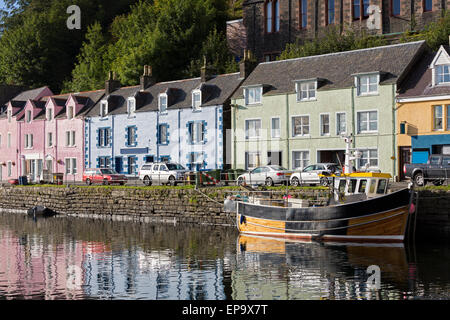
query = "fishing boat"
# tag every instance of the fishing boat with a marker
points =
(360, 209)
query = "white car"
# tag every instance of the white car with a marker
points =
(162, 173)
(310, 174)
(268, 175)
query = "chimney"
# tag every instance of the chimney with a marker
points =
(147, 79)
(205, 71)
(111, 84)
(247, 65)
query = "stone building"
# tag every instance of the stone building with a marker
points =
(271, 24)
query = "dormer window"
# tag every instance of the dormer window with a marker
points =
(9, 115)
(306, 90)
(28, 116)
(442, 73)
(49, 114)
(367, 84)
(131, 107)
(196, 100)
(70, 112)
(162, 102)
(253, 95)
(103, 108)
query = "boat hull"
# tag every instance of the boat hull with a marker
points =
(381, 219)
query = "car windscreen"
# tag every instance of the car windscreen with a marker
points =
(108, 171)
(173, 166)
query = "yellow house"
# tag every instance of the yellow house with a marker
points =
(423, 109)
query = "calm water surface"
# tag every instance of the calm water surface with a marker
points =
(75, 258)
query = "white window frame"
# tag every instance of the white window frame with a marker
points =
(362, 150)
(70, 167)
(258, 136)
(28, 141)
(9, 140)
(368, 121)
(70, 112)
(272, 130)
(301, 159)
(49, 114)
(131, 107)
(28, 116)
(293, 127)
(196, 106)
(256, 95)
(9, 168)
(311, 86)
(247, 156)
(338, 114)
(9, 114)
(442, 74)
(321, 131)
(103, 108)
(70, 138)
(359, 80)
(49, 139)
(160, 105)
(197, 132)
(435, 118)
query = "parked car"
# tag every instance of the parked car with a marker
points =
(162, 172)
(105, 176)
(266, 175)
(436, 170)
(310, 174)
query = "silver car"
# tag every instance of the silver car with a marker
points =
(266, 175)
(162, 173)
(310, 174)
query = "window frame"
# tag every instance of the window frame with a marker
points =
(247, 157)
(424, 6)
(163, 96)
(442, 74)
(247, 136)
(131, 107)
(358, 82)
(299, 90)
(272, 128)
(435, 128)
(368, 130)
(272, 16)
(159, 141)
(321, 131)
(369, 157)
(194, 106)
(328, 10)
(303, 14)
(247, 95)
(70, 140)
(70, 168)
(293, 127)
(302, 159)
(194, 132)
(393, 14)
(103, 109)
(338, 127)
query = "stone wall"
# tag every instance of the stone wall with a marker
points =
(433, 215)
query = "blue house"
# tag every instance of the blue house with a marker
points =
(182, 121)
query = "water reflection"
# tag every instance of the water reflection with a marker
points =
(70, 258)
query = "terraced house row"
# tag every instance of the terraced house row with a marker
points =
(394, 100)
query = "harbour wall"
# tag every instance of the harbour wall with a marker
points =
(187, 205)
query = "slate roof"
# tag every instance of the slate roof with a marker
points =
(216, 91)
(87, 98)
(336, 69)
(419, 81)
(29, 94)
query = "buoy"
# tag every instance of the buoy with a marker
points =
(412, 208)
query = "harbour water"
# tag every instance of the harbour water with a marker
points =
(80, 258)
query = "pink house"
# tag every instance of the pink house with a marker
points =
(10, 164)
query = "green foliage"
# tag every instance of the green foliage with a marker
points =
(332, 41)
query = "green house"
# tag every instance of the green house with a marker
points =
(293, 112)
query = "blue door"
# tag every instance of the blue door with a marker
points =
(118, 164)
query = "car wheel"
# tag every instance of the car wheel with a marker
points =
(269, 182)
(324, 182)
(172, 181)
(419, 179)
(240, 181)
(105, 182)
(295, 182)
(88, 182)
(147, 181)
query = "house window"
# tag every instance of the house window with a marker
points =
(303, 18)
(70, 113)
(28, 141)
(196, 160)
(49, 139)
(9, 115)
(253, 95)
(131, 107)
(162, 103)
(196, 100)
(272, 13)
(9, 168)
(104, 162)
(131, 136)
(49, 114)
(104, 137)
(437, 118)
(367, 121)
(448, 116)
(300, 159)
(341, 124)
(443, 74)
(395, 7)
(300, 126)
(427, 5)
(70, 138)
(71, 165)
(360, 9)
(367, 84)
(330, 11)
(132, 165)
(370, 157)
(306, 91)
(252, 160)
(28, 116)
(163, 137)
(252, 129)
(324, 124)
(9, 140)
(276, 128)
(103, 109)
(196, 132)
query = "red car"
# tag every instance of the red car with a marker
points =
(104, 176)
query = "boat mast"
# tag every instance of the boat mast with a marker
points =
(351, 154)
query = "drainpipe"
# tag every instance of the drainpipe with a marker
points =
(112, 140)
(394, 138)
(233, 110)
(287, 132)
(353, 117)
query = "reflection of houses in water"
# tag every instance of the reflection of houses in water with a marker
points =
(31, 268)
(272, 269)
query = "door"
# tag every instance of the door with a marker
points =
(132, 165)
(274, 158)
(405, 158)
(118, 164)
